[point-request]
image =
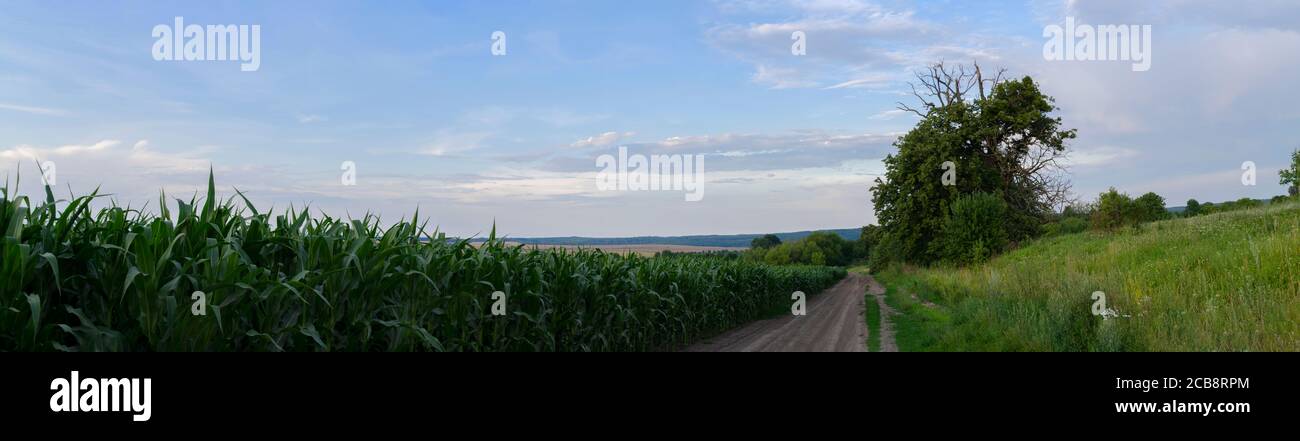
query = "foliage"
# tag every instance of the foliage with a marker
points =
(1291, 175)
(1114, 210)
(1003, 143)
(819, 248)
(1150, 207)
(119, 279)
(1067, 225)
(1223, 283)
(766, 241)
(973, 231)
(867, 241)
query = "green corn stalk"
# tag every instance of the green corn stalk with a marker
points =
(120, 279)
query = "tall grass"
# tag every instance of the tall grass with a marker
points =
(120, 279)
(1224, 282)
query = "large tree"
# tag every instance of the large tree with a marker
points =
(1002, 139)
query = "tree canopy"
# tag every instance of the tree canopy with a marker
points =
(1291, 176)
(993, 136)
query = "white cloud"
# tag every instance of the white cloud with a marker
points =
(849, 44)
(890, 114)
(1098, 156)
(29, 152)
(447, 142)
(781, 78)
(135, 172)
(45, 111)
(602, 140)
(873, 81)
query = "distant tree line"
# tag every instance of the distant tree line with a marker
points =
(819, 248)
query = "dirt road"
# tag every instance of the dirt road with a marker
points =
(834, 323)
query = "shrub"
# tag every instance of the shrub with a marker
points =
(1150, 207)
(1069, 225)
(766, 241)
(1114, 211)
(1074, 225)
(819, 248)
(974, 229)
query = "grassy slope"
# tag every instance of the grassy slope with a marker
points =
(1225, 282)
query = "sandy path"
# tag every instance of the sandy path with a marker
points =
(834, 323)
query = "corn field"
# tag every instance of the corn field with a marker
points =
(73, 278)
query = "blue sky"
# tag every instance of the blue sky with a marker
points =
(410, 92)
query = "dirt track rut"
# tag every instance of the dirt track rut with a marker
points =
(834, 323)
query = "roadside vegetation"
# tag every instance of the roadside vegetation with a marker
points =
(819, 248)
(982, 248)
(73, 278)
(871, 314)
(1221, 282)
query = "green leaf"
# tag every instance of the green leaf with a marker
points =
(310, 331)
(34, 323)
(131, 274)
(54, 266)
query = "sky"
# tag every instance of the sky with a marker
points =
(412, 95)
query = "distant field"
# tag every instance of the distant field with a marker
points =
(708, 241)
(644, 250)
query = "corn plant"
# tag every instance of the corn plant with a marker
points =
(121, 279)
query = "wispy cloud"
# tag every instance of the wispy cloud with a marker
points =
(45, 111)
(849, 43)
(1095, 157)
(890, 114)
(447, 142)
(602, 140)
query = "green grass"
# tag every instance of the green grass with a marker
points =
(119, 279)
(872, 315)
(873, 324)
(1224, 282)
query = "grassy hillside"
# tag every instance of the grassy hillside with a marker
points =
(1224, 282)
